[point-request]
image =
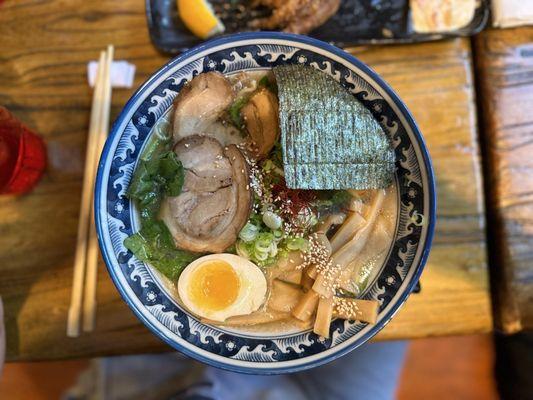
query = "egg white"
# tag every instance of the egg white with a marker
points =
(251, 295)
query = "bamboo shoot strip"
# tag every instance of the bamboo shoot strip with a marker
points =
(305, 309)
(356, 205)
(292, 276)
(329, 221)
(255, 318)
(353, 223)
(312, 272)
(356, 309)
(360, 267)
(356, 222)
(323, 317)
(323, 241)
(354, 246)
(302, 325)
(284, 296)
(326, 280)
(307, 281)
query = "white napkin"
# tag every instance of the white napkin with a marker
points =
(122, 74)
(508, 13)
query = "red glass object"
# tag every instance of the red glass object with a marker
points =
(22, 155)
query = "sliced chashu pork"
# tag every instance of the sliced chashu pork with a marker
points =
(200, 104)
(216, 199)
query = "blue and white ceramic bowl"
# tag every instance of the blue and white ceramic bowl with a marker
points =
(143, 289)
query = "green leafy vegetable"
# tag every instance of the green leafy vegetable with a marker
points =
(161, 142)
(161, 175)
(154, 244)
(269, 84)
(235, 111)
(171, 171)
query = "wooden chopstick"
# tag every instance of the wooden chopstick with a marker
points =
(89, 302)
(89, 298)
(97, 128)
(73, 322)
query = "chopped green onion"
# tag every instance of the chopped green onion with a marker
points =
(273, 251)
(242, 249)
(261, 256)
(249, 232)
(297, 243)
(263, 241)
(272, 220)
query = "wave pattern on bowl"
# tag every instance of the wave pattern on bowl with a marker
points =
(143, 290)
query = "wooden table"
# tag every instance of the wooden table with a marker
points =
(505, 74)
(44, 49)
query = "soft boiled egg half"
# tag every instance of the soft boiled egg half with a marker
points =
(219, 286)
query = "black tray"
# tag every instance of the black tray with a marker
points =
(357, 22)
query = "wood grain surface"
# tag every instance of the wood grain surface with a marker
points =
(44, 48)
(505, 76)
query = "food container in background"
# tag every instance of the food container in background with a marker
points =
(22, 155)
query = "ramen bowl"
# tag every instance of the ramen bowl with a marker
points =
(145, 291)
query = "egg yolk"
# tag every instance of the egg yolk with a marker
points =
(214, 285)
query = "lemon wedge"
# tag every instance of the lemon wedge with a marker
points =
(199, 17)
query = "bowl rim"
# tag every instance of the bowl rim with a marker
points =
(431, 192)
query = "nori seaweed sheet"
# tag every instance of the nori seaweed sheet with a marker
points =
(329, 139)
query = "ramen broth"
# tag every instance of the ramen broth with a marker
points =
(286, 241)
